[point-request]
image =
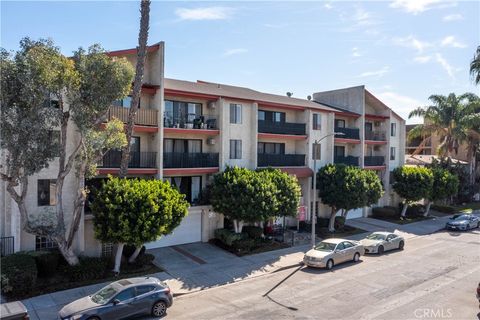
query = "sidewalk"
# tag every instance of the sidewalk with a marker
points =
(210, 268)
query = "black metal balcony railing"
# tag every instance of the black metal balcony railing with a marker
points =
(6, 246)
(200, 122)
(348, 160)
(348, 133)
(113, 158)
(281, 127)
(280, 160)
(189, 160)
(375, 135)
(374, 161)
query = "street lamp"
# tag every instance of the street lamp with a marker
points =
(316, 149)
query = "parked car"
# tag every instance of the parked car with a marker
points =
(13, 311)
(333, 251)
(379, 242)
(122, 299)
(478, 292)
(463, 222)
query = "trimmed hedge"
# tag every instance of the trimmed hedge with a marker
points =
(227, 236)
(243, 245)
(18, 273)
(253, 232)
(445, 209)
(89, 268)
(46, 261)
(385, 212)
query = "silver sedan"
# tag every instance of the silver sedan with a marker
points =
(333, 251)
(379, 242)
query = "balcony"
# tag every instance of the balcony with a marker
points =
(348, 133)
(375, 135)
(113, 158)
(192, 122)
(348, 160)
(144, 117)
(189, 160)
(281, 127)
(280, 160)
(374, 161)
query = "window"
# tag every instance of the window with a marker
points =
(126, 294)
(182, 146)
(316, 151)
(235, 113)
(392, 153)
(338, 151)
(368, 126)
(393, 129)
(278, 117)
(317, 121)
(347, 244)
(189, 186)
(340, 246)
(44, 243)
(261, 115)
(144, 289)
(271, 148)
(235, 149)
(124, 103)
(271, 116)
(180, 114)
(46, 192)
(107, 249)
(339, 123)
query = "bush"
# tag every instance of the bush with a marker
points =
(46, 261)
(339, 223)
(89, 268)
(129, 249)
(415, 210)
(253, 232)
(244, 245)
(445, 209)
(385, 212)
(227, 236)
(18, 273)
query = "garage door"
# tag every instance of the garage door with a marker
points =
(357, 213)
(189, 230)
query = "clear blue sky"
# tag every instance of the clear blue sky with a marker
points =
(403, 51)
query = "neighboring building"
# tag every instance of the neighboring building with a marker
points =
(187, 131)
(414, 145)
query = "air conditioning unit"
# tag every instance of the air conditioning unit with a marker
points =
(377, 124)
(211, 105)
(211, 141)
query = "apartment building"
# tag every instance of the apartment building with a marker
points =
(186, 132)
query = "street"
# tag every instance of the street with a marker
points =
(435, 277)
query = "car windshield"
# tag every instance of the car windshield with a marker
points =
(325, 246)
(461, 217)
(102, 296)
(376, 236)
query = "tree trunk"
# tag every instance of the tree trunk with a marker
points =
(118, 257)
(427, 210)
(404, 210)
(137, 84)
(67, 253)
(331, 223)
(135, 254)
(237, 225)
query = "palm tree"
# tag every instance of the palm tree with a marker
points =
(475, 66)
(455, 120)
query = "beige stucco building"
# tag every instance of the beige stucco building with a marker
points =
(186, 132)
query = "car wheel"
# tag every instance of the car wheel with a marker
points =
(159, 309)
(356, 257)
(93, 318)
(381, 249)
(329, 265)
(401, 245)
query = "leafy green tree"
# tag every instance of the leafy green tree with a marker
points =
(243, 195)
(475, 66)
(346, 188)
(136, 211)
(459, 170)
(444, 186)
(412, 184)
(43, 91)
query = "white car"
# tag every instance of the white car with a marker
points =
(333, 251)
(379, 242)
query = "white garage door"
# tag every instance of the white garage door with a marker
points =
(357, 213)
(189, 230)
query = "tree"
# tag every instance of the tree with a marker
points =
(458, 170)
(475, 66)
(444, 185)
(41, 91)
(346, 187)
(136, 211)
(137, 85)
(243, 195)
(455, 120)
(412, 184)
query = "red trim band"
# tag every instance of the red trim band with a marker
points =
(343, 140)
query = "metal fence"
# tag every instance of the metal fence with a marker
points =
(6, 246)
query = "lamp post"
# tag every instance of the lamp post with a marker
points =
(316, 145)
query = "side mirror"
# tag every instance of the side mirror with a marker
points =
(115, 302)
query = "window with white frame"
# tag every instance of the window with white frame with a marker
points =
(235, 113)
(235, 149)
(317, 121)
(44, 243)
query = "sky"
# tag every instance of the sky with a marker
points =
(403, 51)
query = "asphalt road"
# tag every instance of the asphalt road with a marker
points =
(435, 277)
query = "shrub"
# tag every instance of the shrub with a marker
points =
(384, 212)
(253, 232)
(243, 245)
(339, 223)
(445, 209)
(416, 210)
(46, 261)
(19, 273)
(145, 259)
(227, 236)
(89, 268)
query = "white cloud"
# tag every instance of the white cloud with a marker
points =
(450, 41)
(449, 69)
(208, 13)
(412, 42)
(419, 6)
(375, 73)
(399, 103)
(452, 17)
(231, 52)
(363, 18)
(422, 59)
(356, 53)
(328, 6)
